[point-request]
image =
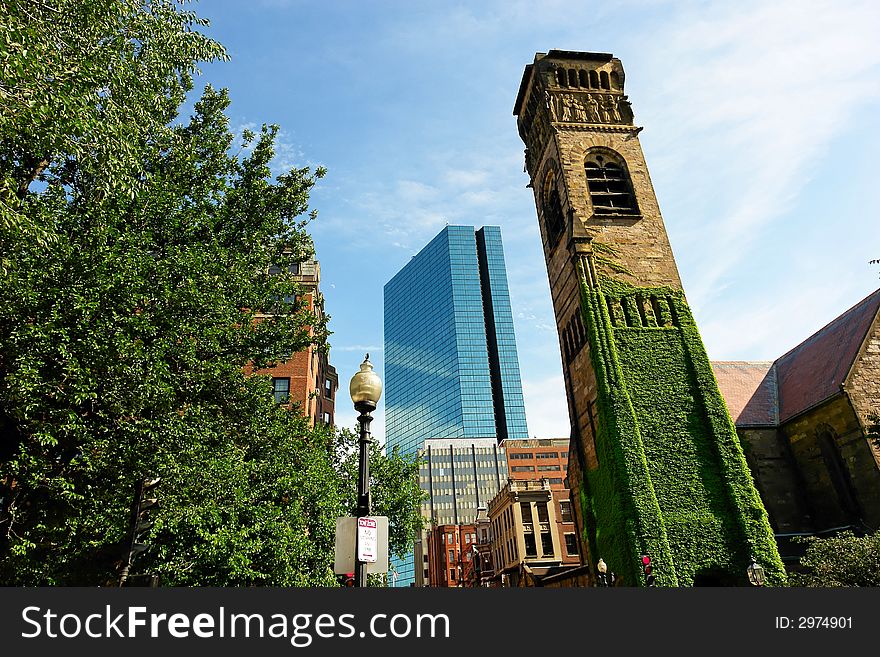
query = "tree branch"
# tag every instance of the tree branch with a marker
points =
(26, 183)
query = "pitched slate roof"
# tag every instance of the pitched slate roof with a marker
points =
(815, 369)
(769, 394)
(749, 388)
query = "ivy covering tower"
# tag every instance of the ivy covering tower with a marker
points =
(655, 460)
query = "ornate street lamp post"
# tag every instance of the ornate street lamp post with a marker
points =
(365, 389)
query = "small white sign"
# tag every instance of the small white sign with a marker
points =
(346, 546)
(367, 539)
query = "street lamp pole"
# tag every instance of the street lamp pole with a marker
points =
(365, 389)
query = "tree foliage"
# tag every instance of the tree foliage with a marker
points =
(84, 86)
(841, 560)
(135, 255)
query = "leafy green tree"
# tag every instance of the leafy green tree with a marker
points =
(841, 560)
(135, 256)
(84, 85)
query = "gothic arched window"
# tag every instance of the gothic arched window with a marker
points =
(609, 185)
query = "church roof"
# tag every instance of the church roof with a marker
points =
(749, 388)
(765, 394)
(816, 369)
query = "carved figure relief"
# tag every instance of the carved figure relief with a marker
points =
(567, 103)
(592, 109)
(609, 107)
(550, 105)
(589, 108)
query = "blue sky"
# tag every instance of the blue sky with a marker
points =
(760, 135)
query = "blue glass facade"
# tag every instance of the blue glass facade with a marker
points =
(451, 369)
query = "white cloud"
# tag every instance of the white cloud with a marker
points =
(546, 407)
(752, 98)
(360, 347)
(466, 177)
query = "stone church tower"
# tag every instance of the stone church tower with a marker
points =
(655, 466)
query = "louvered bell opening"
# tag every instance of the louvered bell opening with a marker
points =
(609, 189)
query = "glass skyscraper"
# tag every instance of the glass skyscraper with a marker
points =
(451, 369)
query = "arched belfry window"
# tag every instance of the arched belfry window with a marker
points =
(609, 185)
(551, 208)
(561, 77)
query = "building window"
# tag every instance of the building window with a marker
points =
(548, 468)
(609, 184)
(555, 480)
(571, 546)
(531, 547)
(542, 512)
(523, 468)
(328, 389)
(546, 543)
(547, 455)
(328, 418)
(282, 390)
(565, 510)
(519, 455)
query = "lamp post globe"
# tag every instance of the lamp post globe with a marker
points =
(365, 389)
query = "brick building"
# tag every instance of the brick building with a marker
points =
(449, 553)
(538, 458)
(532, 533)
(459, 476)
(543, 463)
(307, 380)
(804, 420)
(479, 570)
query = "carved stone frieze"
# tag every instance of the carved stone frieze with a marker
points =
(590, 107)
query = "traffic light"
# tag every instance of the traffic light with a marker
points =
(648, 569)
(348, 579)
